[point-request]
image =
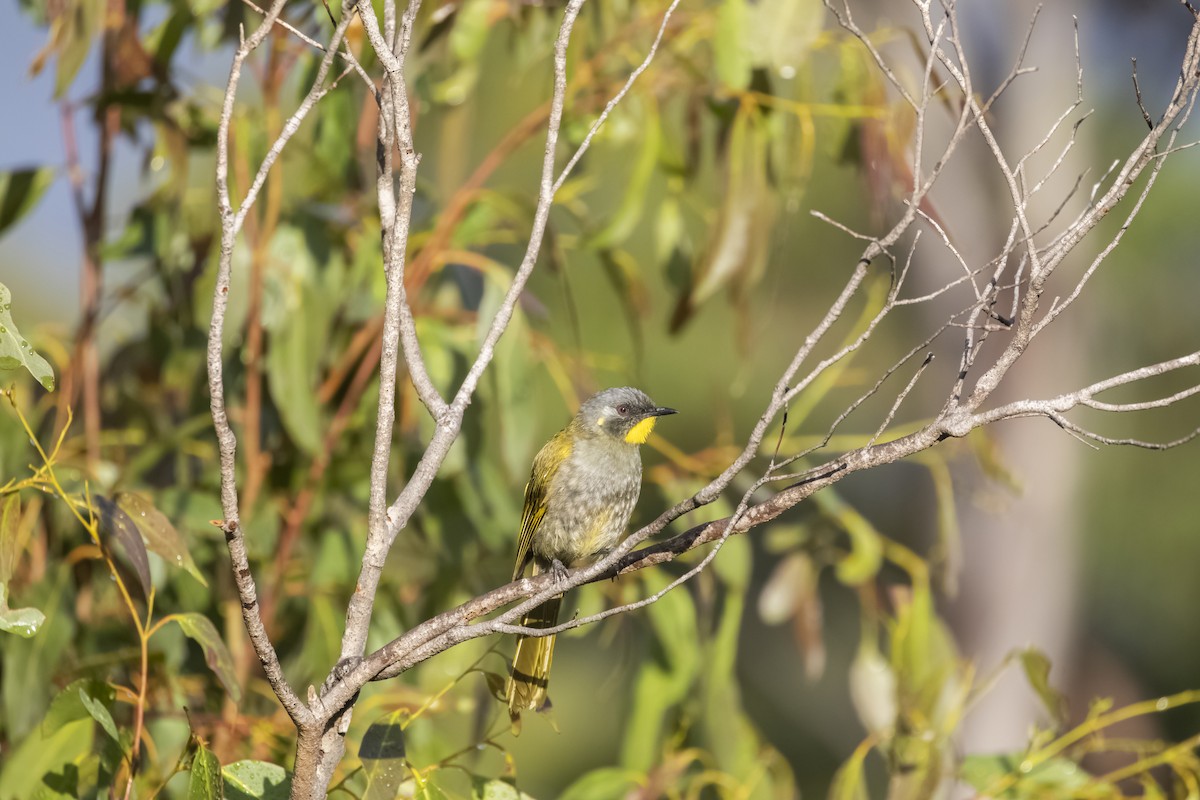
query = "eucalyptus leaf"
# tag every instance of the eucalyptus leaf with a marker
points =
(205, 782)
(20, 191)
(199, 629)
(15, 350)
(158, 532)
(117, 529)
(24, 622)
(256, 780)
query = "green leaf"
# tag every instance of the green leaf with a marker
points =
(23, 622)
(200, 630)
(866, 543)
(383, 755)
(630, 212)
(495, 789)
(98, 711)
(158, 532)
(119, 531)
(1037, 671)
(68, 705)
(256, 780)
(205, 783)
(10, 519)
(74, 29)
(873, 688)
(850, 782)
(1058, 777)
(733, 56)
(784, 31)
(20, 191)
(38, 755)
(15, 351)
(605, 783)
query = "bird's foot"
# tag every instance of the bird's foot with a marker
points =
(559, 571)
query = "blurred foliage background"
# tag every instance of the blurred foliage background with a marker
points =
(681, 258)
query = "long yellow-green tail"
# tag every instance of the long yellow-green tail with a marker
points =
(531, 663)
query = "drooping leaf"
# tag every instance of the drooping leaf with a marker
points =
(873, 688)
(15, 350)
(68, 706)
(20, 191)
(199, 629)
(603, 784)
(205, 782)
(383, 756)
(24, 622)
(866, 543)
(256, 780)
(731, 44)
(118, 532)
(850, 781)
(736, 253)
(158, 532)
(39, 762)
(97, 709)
(1057, 777)
(783, 31)
(72, 32)
(495, 789)
(10, 518)
(1037, 671)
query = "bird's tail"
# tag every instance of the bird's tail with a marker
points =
(526, 689)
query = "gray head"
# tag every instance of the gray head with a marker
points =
(626, 414)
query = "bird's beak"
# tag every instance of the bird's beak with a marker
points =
(662, 411)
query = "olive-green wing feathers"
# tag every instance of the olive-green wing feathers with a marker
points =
(537, 494)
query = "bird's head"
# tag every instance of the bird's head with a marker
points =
(624, 413)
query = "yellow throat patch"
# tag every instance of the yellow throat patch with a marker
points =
(639, 433)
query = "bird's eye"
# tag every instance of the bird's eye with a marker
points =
(623, 410)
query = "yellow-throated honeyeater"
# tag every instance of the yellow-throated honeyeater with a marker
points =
(581, 492)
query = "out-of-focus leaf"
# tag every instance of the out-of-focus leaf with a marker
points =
(873, 688)
(256, 780)
(732, 564)
(199, 629)
(792, 593)
(850, 781)
(925, 660)
(1057, 777)
(97, 709)
(991, 460)
(783, 31)
(23, 703)
(15, 351)
(118, 531)
(22, 621)
(158, 532)
(1037, 671)
(10, 519)
(947, 556)
(38, 755)
(205, 783)
(866, 543)
(736, 253)
(604, 783)
(20, 190)
(68, 705)
(667, 676)
(383, 756)
(731, 44)
(630, 212)
(495, 789)
(780, 595)
(295, 313)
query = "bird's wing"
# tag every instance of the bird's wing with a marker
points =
(537, 494)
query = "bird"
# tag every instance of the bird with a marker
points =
(582, 489)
